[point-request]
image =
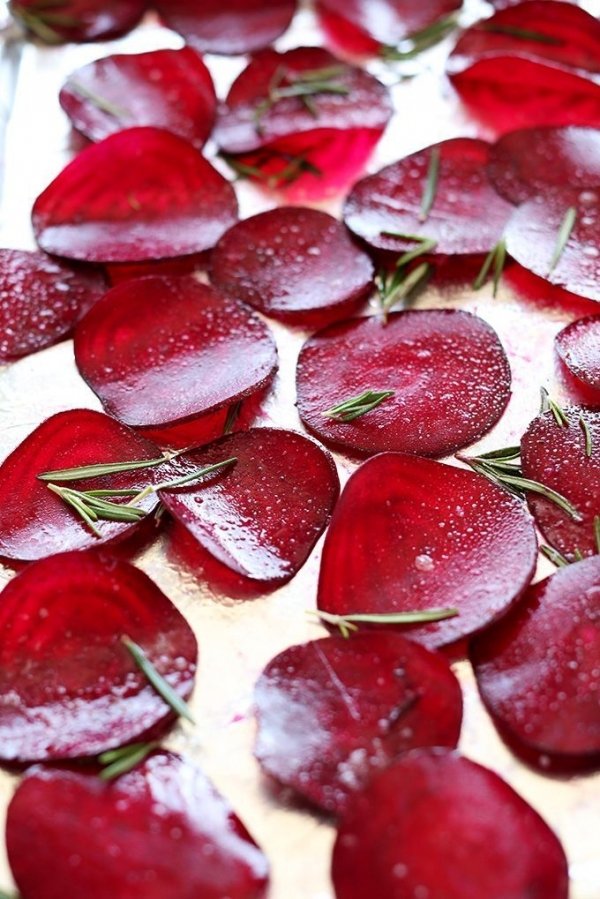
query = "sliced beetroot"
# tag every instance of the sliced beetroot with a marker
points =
(142, 194)
(332, 712)
(295, 264)
(227, 26)
(557, 457)
(467, 215)
(578, 346)
(261, 517)
(163, 350)
(447, 368)
(160, 830)
(171, 89)
(408, 534)
(41, 299)
(537, 669)
(71, 688)
(439, 826)
(77, 20)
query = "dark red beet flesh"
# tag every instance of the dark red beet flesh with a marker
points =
(41, 299)
(169, 89)
(298, 265)
(332, 712)
(556, 456)
(578, 346)
(141, 194)
(162, 350)
(71, 687)
(447, 367)
(161, 830)
(467, 215)
(408, 533)
(262, 517)
(537, 669)
(80, 20)
(439, 826)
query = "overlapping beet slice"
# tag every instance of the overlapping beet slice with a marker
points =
(160, 830)
(41, 299)
(227, 26)
(409, 533)
(332, 712)
(71, 687)
(163, 350)
(565, 459)
(446, 368)
(536, 63)
(466, 214)
(55, 21)
(439, 826)
(139, 195)
(578, 346)
(262, 517)
(171, 89)
(295, 264)
(302, 120)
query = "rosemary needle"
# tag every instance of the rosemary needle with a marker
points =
(159, 683)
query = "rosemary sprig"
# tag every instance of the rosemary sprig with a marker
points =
(83, 472)
(424, 245)
(182, 481)
(524, 34)
(554, 556)
(562, 239)
(550, 405)
(419, 41)
(349, 623)
(120, 761)
(496, 258)
(232, 416)
(101, 103)
(162, 687)
(302, 85)
(587, 436)
(357, 406)
(296, 166)
(597, 532)
(399, 285)
(431, 185)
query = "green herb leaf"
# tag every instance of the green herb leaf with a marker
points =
(549, 405)
(523, 33)
(497, 258)
(101, 103)
(564, 233)
(431, 184)
(104, 468)
(424, 245)
(357, 406)
(597, 531)
(419, 40)
(5, 895)
(587, 436)
(302, 85)
(554, 556)
(398, 287)
(349, 623)
(182, 481)
(120, 761)
(162, 687)
(232, 416)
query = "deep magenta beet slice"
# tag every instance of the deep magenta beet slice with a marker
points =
(41, 299)
(70, 686)
(162, 350)
(557, 457)
(170, 89)
(262, 517)
(295, 264)
(409, 533)
(332, 712)
(467, 215)
(227, 26)
(34, 521)
(439, 826)
(578, 346)
(141, 194)
(160, 830)
(447, 368)
(537, 669)
(77, 20)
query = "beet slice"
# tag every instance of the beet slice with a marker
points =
(447, 368)
(160, 830)
(537, 669)
(227, 26)
(409, 533)
(439, 826)
(162, 350)
(332, 712)
(262, 517)
(71, 687)
(141, 194)
(556, 456)
(467, 214)
(578, 346)
(295, 264)
(77, 20)
(34, 521)
(169, 89)
(41, 299)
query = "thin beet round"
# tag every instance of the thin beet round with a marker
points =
(333, 712)
(578, 346)
(77, 20)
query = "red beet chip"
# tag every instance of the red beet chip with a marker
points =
(139, 195)
(77, 20)
(160, 830)
(465, 213)
(557, 456)
(297, 265)
(41, 299)
(439, 826)
(412, 534)
(71, 687)
(531, 64)
(162, 350)
(261, 517)
(169, 89)
(578, 346)
(448, 372)
(227, 26)
(332, 712)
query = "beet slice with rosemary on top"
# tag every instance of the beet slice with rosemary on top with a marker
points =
(578, 346)
(58, 21)
(159, 830)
